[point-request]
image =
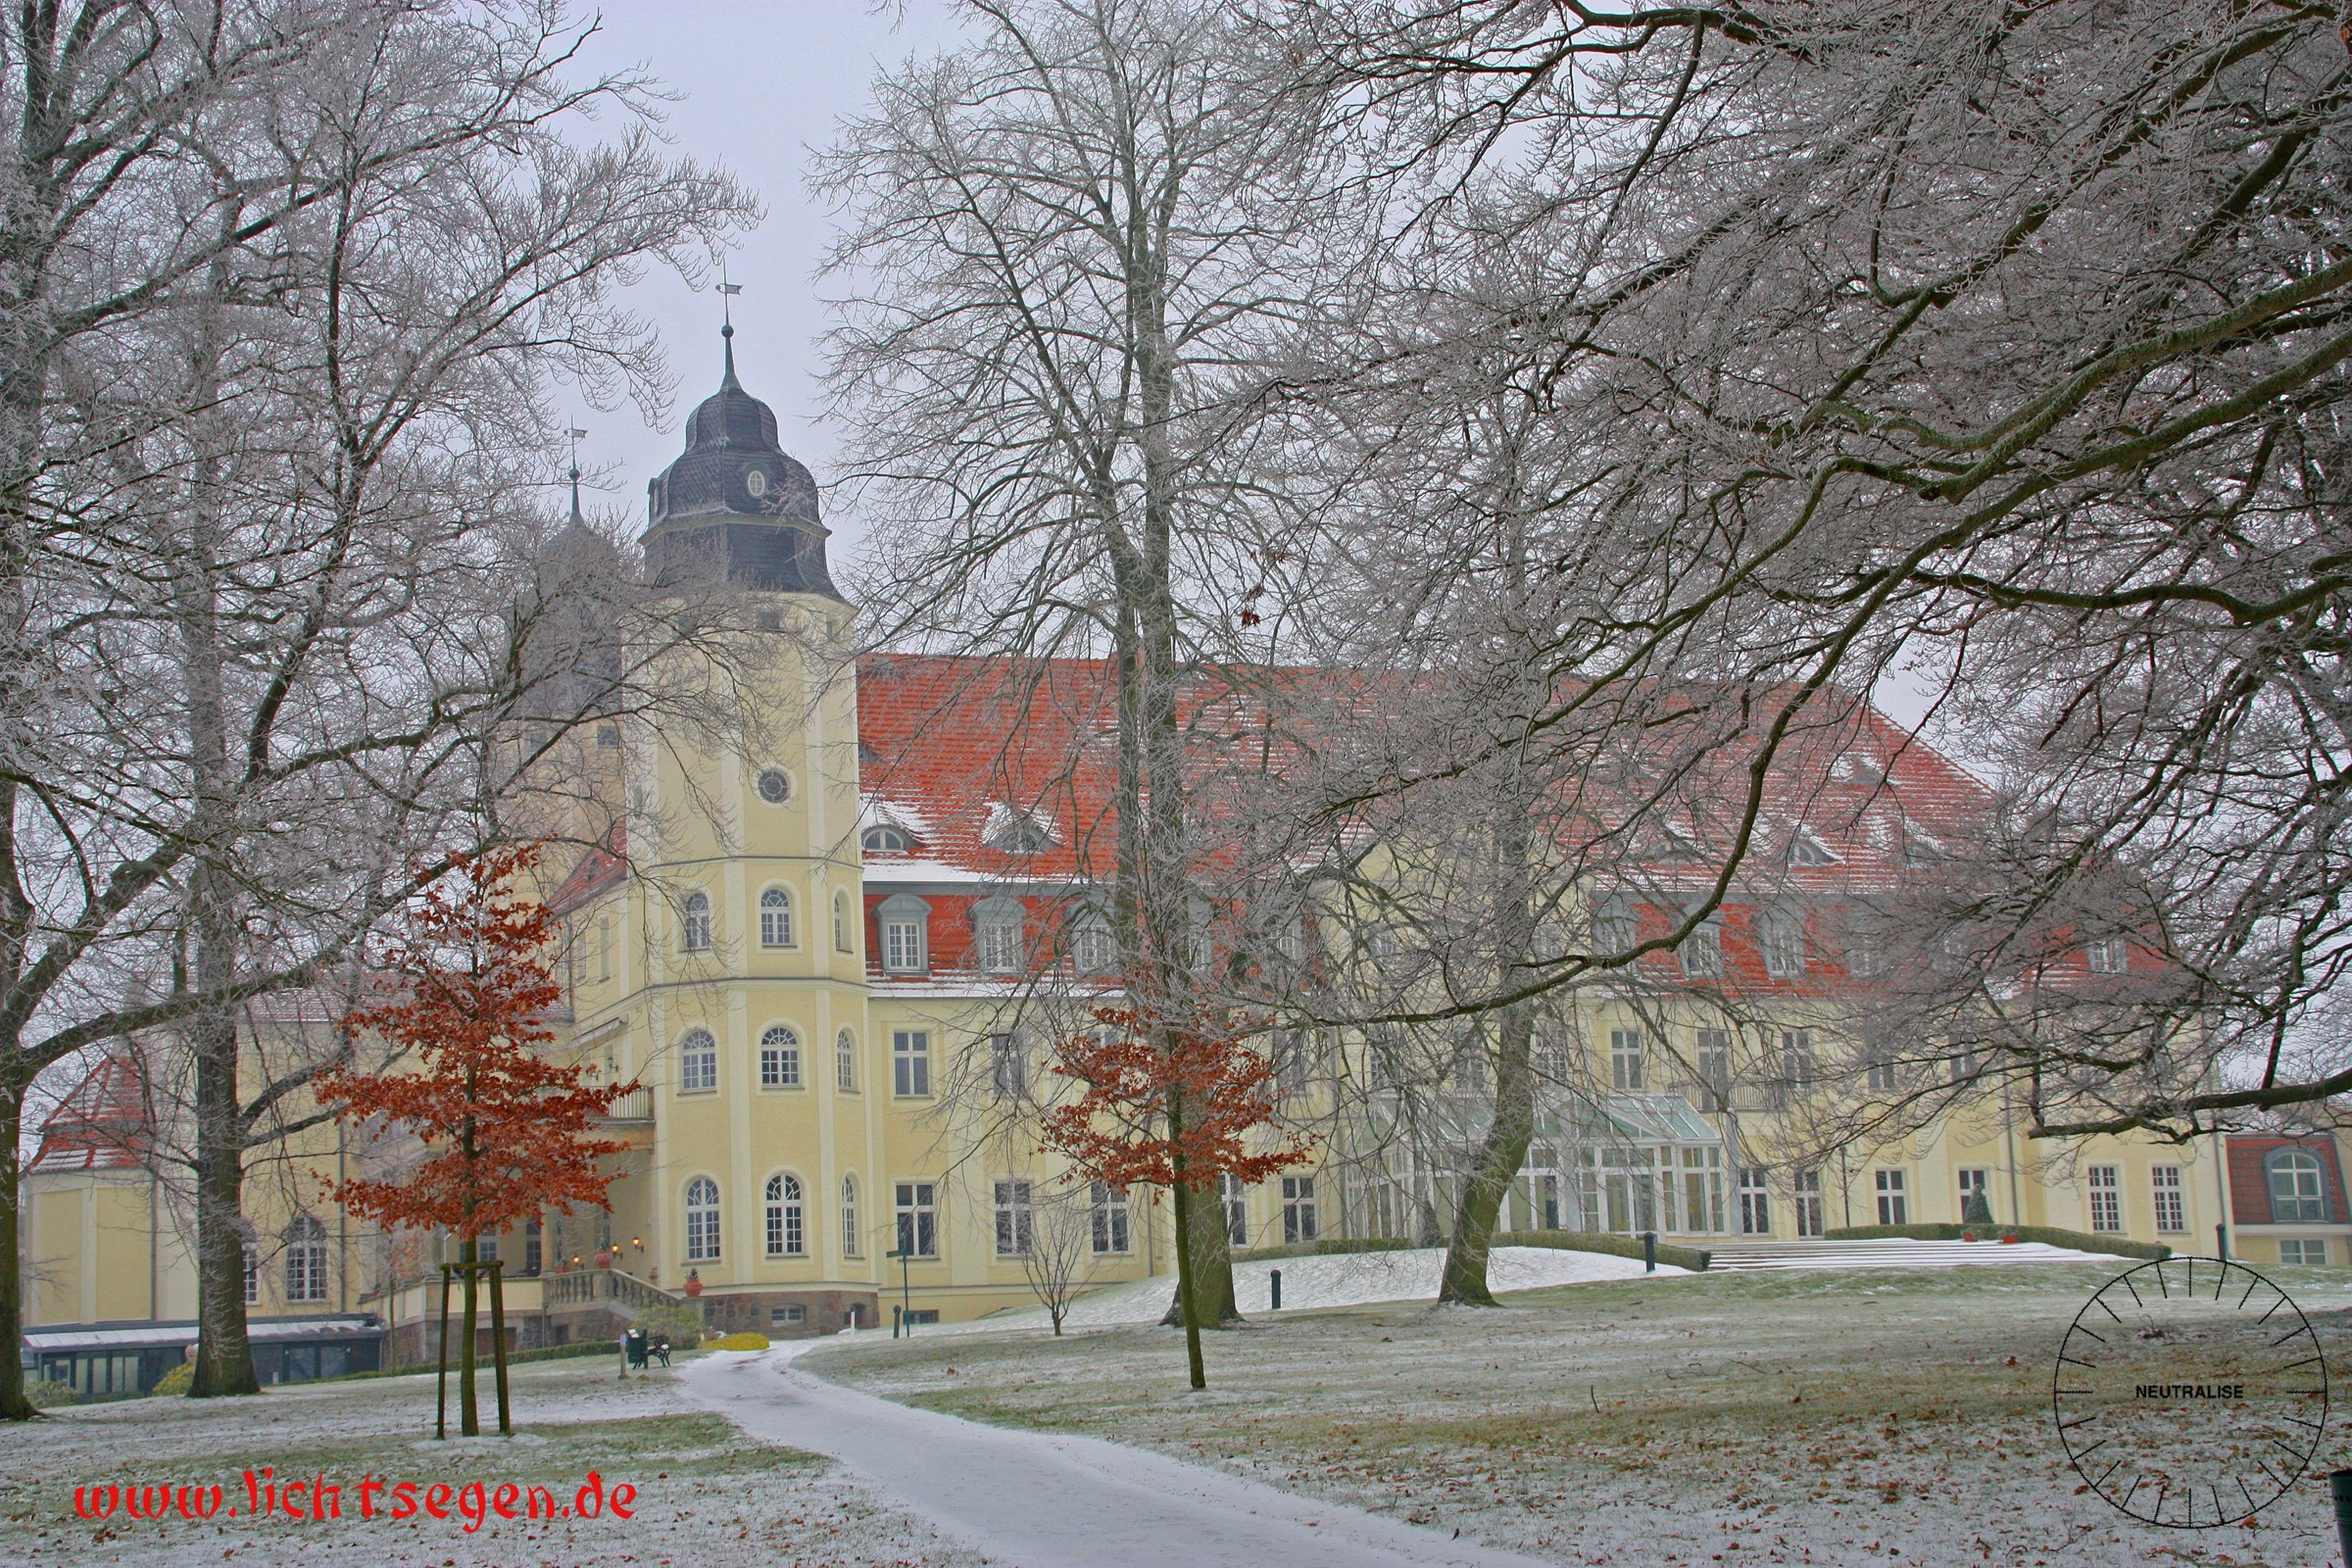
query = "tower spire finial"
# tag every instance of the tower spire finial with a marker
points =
(726, 320)
(576, 433)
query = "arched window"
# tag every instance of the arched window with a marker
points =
(253, 1263)
(840, 922)
(2298, 1192)
(845, 1061)
(694, 917)
(702, 1220)
(776, 918)
(698, 1062)
(850, 1246)
(787, 1228)
(779, 1058)
(305, 1260)
(886, 838)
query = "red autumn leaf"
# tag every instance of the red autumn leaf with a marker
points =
(1164, 1104)
(470, 981)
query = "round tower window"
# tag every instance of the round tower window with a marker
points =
(775, 786)
(756, 481)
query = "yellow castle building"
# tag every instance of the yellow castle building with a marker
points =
(832, 960)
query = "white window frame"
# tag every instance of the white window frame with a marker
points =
(917, 1216)
(1973, 1179)
(1109, 1219)
(1233, 1195)
(784, 779)
(787, 1216)
(697, 1063)
(1809, 1203)
(1893, 1190)
(2169, 1194)
(841, 923)
(702, 1220)
(1008, 1067)
(910, 1064)
(694, 922)
(1756, 1202)
(2303, 1246)
(305, 1260)
(1701, 952)
(1000, 936)
(845, 1063)
(1627, 1050)
(776, 917)
(2105, 1185)
(1711, 1056)
(852, 1239)
(1298, 1215)
(780, 1056)
(1781, 938)
(2107, 955)
(905, 924)
(1016, 1217)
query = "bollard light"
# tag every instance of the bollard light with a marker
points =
(1649, 1251)
(1277, 1290)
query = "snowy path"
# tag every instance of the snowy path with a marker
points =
(1047, 1502)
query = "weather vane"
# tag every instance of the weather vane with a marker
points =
(726, 292)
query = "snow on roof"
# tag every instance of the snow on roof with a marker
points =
(102, 1125)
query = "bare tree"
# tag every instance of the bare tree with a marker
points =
(1059, 1263)
(2000, 350)
(294, 642)
(1062, 239)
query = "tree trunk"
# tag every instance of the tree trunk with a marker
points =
(223, 1353)
(1499, 1157)
(469, 1412)
(14, 1405)
(1504, 1151)
(1187, 1305)
(1211, 1252)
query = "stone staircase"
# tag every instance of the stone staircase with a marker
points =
(1892, 1253)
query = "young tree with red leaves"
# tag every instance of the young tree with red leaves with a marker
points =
(469, 980)
(1170, 1105)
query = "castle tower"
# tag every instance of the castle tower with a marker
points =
(734, 504)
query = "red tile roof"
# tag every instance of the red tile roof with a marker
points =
(104, 1124)
(954, 749)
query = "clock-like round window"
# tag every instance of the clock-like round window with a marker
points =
(756, 481)
(775, 786)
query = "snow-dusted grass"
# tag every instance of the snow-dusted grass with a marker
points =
(1775, 1417)
(1347, 1279)
(707, 1495)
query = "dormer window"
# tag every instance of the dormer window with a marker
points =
(998, 941)
(906, 926)
(1013, 832)
(1806, 850)
(885, 838)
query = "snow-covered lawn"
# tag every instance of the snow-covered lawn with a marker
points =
(707, 1496)
(1764, 1418)
(1345, 1280)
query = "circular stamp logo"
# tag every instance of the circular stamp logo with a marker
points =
(2190, 1393)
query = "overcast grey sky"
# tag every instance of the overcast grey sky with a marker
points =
(762, 83)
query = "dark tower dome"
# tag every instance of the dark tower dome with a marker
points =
(733, 505)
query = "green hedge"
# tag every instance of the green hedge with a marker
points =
(2050, 1235)
(1693, 1258)
(1336, 1246)
(545, 1352)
